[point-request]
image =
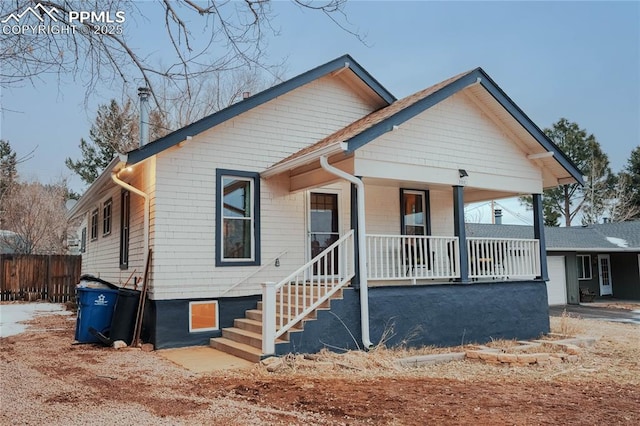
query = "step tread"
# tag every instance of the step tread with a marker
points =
(251, 353)
(248, 333)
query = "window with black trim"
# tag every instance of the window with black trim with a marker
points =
(106, 217)
(237, 218)
(83, 241)
(94, 225)
(125, 208)
(584, 266)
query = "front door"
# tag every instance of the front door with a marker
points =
(604, 272)
(323, 229)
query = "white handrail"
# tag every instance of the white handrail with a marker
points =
(503, 257)
(288, 302)
(401, 257)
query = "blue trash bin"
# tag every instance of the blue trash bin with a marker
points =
(95, 310)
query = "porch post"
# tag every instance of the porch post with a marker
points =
(355, 282)
(538, 234)
(459, 231)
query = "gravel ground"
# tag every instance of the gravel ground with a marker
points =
(46, 379)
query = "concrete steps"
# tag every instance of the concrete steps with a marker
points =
(244, 339)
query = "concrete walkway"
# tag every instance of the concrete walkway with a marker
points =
(204, 359)
(602, 310)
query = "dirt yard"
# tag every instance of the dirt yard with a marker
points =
(47, 380)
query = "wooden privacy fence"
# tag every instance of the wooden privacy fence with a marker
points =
(44, 277)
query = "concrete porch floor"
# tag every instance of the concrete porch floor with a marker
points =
(203, 359)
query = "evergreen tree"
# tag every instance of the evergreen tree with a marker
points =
(8, 169)
(571, 199)
(114, 131)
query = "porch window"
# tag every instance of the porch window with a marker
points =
(414, 212)
(106, 217)
(94, 225)
(584, 267)
(238, 224)
(125, 208)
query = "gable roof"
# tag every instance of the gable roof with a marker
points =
(377, 123)
(623, 236)
(345, 61)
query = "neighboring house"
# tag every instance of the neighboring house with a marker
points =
(260, 202)
(601, 259)
(10, 242)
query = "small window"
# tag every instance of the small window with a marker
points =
(203, 316)
(584, 267)
(94, 225)
(414, 212)
(238, 219)
(83, 241)
(125, 208)
(106, 217)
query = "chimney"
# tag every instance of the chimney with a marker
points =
(143, 94)
(498, 216)
(246, 95)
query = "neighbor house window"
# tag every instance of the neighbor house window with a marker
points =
(584, 267)
(238, 218)
(94, 225)
(124, 229)
(203, 316)
(106, 217)
(414, 212)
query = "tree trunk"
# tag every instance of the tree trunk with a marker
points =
(567, 205)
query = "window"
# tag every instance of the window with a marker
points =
(94, 225)
(414, 212)
(203, 316)
(584, 267)
(106, 217)
(83, 241)
(124, 229)
(237, 218)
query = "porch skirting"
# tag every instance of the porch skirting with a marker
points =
(166, 322)
(439, 315)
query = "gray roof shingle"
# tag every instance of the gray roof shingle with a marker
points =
(605, 236)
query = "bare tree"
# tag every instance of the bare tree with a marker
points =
(622, 206)
(36, 215)
(204, 37)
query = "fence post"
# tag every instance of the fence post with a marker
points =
(268, 318)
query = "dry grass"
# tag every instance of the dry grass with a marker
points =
(614, 357)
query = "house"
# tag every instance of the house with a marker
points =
(599, 259)
(324, 212)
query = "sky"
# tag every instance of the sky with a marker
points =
(579, 60)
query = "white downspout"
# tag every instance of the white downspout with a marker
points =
(362, 252)
(125, 185)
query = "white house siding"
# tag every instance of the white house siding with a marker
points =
(102, 256)
(383, 209)
(184, 244)
(451, 135)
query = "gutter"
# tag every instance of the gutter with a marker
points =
(116, 179)
(362, 252)
(307, 158)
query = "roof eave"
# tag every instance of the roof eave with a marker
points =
(236, 109)
(307, 158)
(89, 195)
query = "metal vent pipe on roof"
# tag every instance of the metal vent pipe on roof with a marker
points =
(143, 94)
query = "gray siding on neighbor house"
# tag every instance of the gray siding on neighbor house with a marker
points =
(573, 287)
(625, 275)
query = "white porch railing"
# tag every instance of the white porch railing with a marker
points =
(504, 258)
(286, 303)
(398, 257)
